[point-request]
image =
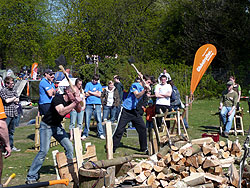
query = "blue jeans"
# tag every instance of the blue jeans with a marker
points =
(46, 132)
(11, 123)
(227, 121)
(149, 124)
(109, 110)
(97, 114)
(76, 116)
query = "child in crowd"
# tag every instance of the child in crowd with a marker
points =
(150, 112)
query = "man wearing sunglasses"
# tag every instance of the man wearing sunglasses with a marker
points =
(46, 91)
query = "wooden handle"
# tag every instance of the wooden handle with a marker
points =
(62, 181)
(9, 179)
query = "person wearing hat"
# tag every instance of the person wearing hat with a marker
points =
(228, 104)
(46, 91)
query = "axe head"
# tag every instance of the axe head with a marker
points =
(61, 60)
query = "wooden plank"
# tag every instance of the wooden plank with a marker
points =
(201, 141)
(233, 175)
(78, 147)
(195, 179)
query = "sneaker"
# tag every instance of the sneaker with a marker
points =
(102, 137)
(83, 137)
(31, 181)
(225, 134)
(15, 149)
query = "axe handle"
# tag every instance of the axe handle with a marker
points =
(140, 75)
(9, 179)
(67, 77)
(43, 184)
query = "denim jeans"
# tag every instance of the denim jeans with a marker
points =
(76, 116)
(11, 123)
(97, 114)
(109, 110)
(46, 132)
(227, 121)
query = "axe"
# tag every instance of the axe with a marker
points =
(9, 179)
(70, 83)
(43, 184)
(131, 62)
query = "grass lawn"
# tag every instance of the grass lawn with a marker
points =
(201, 120)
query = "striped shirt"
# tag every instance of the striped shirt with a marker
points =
(10, 108)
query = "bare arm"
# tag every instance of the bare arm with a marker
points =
(158, 95)
(139, 94)
(95, 93)
(63, 110)
(4, 136)
(51, 92)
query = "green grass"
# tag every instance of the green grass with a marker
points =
(201, 120)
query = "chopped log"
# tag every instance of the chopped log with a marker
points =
(158, 168)
(147, 165)
(182, 161)
(163, 151)
(211, 162)
(174, 148)
(137, 169)
(180, 144)
(218, 170)
(141, 178)
(206, 149)
(107, 163)
(226, 162)
(225, 148)
(176, 157)
(229, 145)
(131, 174)
(192, 161)
(211, 170)
(206, 185)
(94, 173)
(192, 150)
(201, 141)
(167, 158)
(161, 163)
(183, 148)
(200, 170)
(236, 147)
(194, 179)
(147, 173)
(155, 184)
(151, 179)
(161, 176)
(177, 168)
(215, 178)
(200, 159)
(225, 155)
(217, 146)
(222, 143)
(184, 174)
(166, 170)
(164, 183)
(233, 175)
(238, 154)
(214, 151)
(192, 169)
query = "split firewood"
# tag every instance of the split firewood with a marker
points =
(229, 145)
(201, 141)
(214, 151)
(218, 170)
(163, 151)
(206, 185)
(238, 154)
(131, 174)
(174, 148)
(195, 148)
(151, 179)
(147, 173)
(167, 158)
(161, 176)
(226, 162)
(206, 149)
(233, 175)
(158, 168)
(141, 178)
(215, 178)
(137, 169)
(236, 147)
(176, 157)
(195, 179)
(147, 165)
(180, 144)
(183, 148)
(192, 161)
(166, 170)
(182, 161)
(225, 148)
(222, 143)
(217, 145)
(211, 162)
(155, 184)
(184, 174)
(200, 159)
(225, 154)
(192, 169)
(161, 163)
(177, 168)
(164, 183)
(200, 170)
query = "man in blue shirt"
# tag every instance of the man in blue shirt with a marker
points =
(93, 91)
(46, 91)
(130, 113)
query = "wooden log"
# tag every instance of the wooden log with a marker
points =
(180, 144)
(183, 148)
(78, 147)
(94, 173)
(131, 174)
(225, 154)
(182, 161)
(225, 148)
(195, 148)
(161, 163)
(233, 175)
(217, 145)
(206, 149)
(200, 170)
(166, 170)
(137, 169)
(161, 176)
(108, 163)
(164, 183)
(147, 165)
(163, 151)
(141, 177)
(229, 145)
(200, 159)
(215, 178)
(176, 157)
(192, 169)
(226, 162)
(206, 185)
(236, 147)
(238, 154)
(192, 161)
(151, 179)
(184, 174)
(177, 168)
(218, 170)
(211, 162)
(167, 158)
(222, 143)
(195, 179)
(147, 173)
(174, 148)
(201, 141)
(158, 168)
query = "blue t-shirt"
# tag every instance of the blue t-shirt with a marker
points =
(131, 101)
(44, 86)
(93, 87)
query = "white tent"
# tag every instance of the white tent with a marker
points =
(64, 83)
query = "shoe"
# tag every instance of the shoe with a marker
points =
(83, 137)
(102, 137)
(15, 149)
(225, 134)
(30, 182)
(145, 151)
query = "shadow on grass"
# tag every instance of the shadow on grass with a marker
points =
(210, 128)
(47, 169)
(31, 137)
(128, 147)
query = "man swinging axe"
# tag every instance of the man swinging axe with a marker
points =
(61, 105)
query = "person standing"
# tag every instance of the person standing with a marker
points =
(61, 105)
(93, 91)
(130, 113)
(164, 73)
(10, 102)
(150, 113)
(110, 101)
(228, 104)
(4, 138)
(120, 89)
(163, 92)
(46, 91)
(74, 115)
(237, 88)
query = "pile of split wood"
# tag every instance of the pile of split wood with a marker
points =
(199, 163)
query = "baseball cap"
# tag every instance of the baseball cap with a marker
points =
(229, 83)
(48, 71)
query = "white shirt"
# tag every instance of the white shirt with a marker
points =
(163, 89)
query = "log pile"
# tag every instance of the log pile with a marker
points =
(199, 163)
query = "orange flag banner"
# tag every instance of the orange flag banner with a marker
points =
(34, 71)
(203, 58)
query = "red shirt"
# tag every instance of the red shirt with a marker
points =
(150, 112)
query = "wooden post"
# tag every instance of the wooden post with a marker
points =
(37, 136)
(187, 102)
(178, 123)
(78, 147)
(109, 148)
